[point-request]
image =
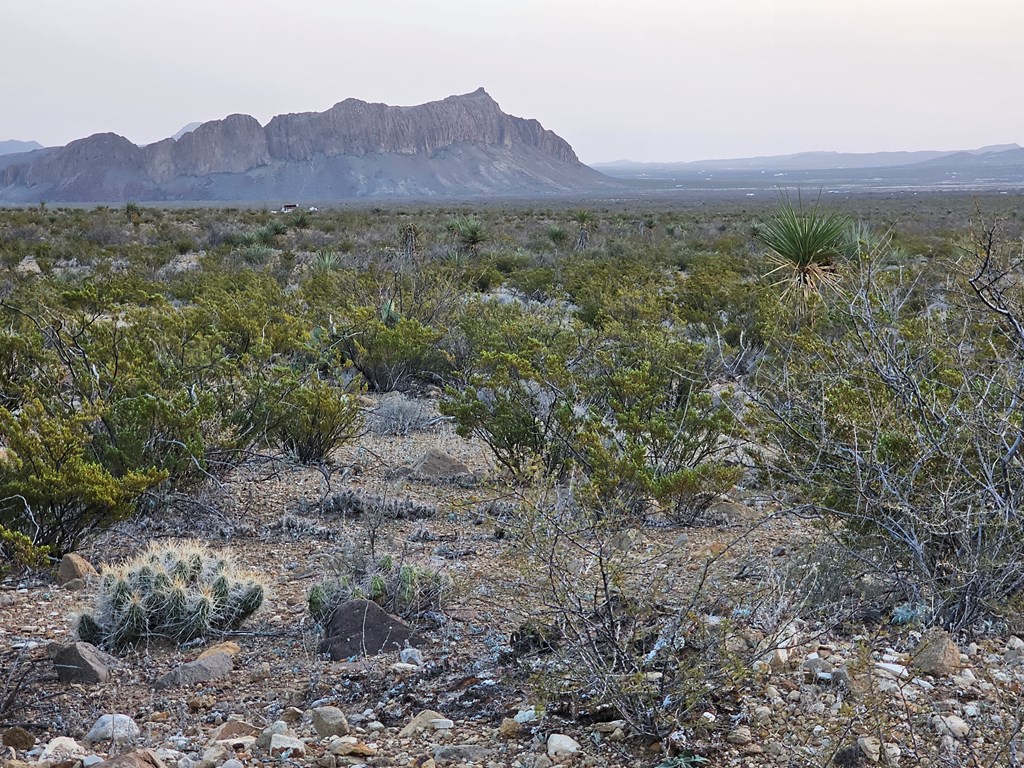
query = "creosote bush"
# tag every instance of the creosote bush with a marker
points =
(176, 592)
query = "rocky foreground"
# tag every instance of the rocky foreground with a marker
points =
(375, 691)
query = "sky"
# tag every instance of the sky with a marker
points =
(648, 80)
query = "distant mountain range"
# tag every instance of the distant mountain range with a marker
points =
(11, 146)
(817, 161)
(461, 146)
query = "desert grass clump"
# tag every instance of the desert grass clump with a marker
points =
(178, 592)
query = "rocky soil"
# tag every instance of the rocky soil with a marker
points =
(811, 693)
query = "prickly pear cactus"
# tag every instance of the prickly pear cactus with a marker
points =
(178, 592)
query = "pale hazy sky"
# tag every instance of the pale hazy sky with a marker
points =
(638, 79)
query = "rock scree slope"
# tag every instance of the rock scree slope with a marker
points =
(459, 146)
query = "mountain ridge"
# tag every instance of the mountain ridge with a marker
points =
(353, 149)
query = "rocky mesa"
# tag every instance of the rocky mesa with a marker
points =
(459, 146)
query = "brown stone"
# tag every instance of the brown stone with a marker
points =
(362, 628)
(83, 663)
(235, 729)
(438, 466)
(18, 738)
(72, 567)
(937, 654)
(142, 758)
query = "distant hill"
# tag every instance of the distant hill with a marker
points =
(11, 147)
(802, 161)
(461, 146)
(997, 167)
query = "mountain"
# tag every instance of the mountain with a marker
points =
(186, 129)
(11, 146)
(461, 146)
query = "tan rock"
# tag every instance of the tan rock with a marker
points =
(228, 647)
(871, 748)
(937, 654)
(72, 567)
(234, 729)
(422, 722)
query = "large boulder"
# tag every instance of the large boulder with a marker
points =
(83, 663)
(363, 628)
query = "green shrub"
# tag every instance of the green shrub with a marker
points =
(50, 488)
(392, 352)
(17, 551)
(178, 592)
(313, 418)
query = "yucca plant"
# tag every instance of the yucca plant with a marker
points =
(804, 245)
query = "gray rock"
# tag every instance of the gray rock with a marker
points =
(117, 729)
(279, 727)
(232, 763)
(83, 663)
(329, 721)
(412, 656)
(740, 736)
(461, 753)
(202, 670)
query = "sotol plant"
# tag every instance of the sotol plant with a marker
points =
(179, 591)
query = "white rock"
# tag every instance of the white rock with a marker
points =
(871, 747)
(118, 729)
(286, 746)
(950, 725)
(61, 748)
(895, 671)
(442, 724)
(560, 744)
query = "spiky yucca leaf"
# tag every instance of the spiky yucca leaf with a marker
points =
(804, 245)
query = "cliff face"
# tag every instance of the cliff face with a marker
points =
(354, 127)
(345, 141)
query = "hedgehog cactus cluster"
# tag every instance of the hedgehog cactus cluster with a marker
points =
(178, 591)
(404, 589)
